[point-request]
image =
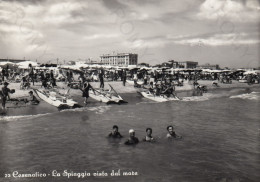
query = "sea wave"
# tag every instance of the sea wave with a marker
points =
(249, 96)
(99, 109)
(204, 97)
(15, 118)
(146, 102)
(96, 109)
(194, 98)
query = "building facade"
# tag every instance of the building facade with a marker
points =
(173, 64)
(187, 64)
(122, 59)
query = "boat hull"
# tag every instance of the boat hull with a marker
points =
(105, 98)
(152, 97)
(60, 103)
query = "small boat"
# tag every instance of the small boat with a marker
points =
(55, 99)
(106, 96)
(242, 81)
(132, 82)
(161, 98)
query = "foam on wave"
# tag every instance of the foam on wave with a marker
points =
(249, 96)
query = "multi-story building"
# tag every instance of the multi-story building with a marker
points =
(121, 59)
(187, 64)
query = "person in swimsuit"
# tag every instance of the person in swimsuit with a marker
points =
(85, 89)
(148, 137)
(114, 133)
(124, 77)
(32, 99)
(132, 139)
(25, 83)
(4, 94)
(101, 79)
(171, 133)
(157, 90)
(52, 79)
(31, 73)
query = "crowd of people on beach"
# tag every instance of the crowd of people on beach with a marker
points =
(132, 139)
(141, 77)
(5, 95)
(157, 82)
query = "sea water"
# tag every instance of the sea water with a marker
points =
(220, 140)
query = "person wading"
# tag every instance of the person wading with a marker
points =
(85, 89)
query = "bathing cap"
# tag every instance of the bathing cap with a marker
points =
(131, 131)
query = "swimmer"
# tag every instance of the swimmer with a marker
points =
(171, 133)
(148, 137)
(114, 133)
(132, 139)
(32, 99)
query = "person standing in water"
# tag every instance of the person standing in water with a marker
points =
(85, 89)
(171, 133)
(32, 99)
(148, 137)
(115, 133)
(132, 139)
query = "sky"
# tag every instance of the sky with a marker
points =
(223, 32)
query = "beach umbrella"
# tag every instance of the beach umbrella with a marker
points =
(145, 68)
(133, 68)
(6, 63)
(226, 70)
(83, 65)
(107, 66)
(10, 65)
(254, 72)
(25, 64)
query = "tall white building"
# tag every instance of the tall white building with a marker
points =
(120, 59)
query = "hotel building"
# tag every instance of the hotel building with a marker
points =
(121, 59)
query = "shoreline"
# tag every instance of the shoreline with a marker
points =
(118, 86)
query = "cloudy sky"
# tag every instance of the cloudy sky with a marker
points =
(220, 32)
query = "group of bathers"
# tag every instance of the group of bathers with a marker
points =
(148, 138)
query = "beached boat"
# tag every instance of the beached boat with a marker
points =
(131, 82)
(242, 81)
(106, 96)
(161, 98)
(55, 99)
